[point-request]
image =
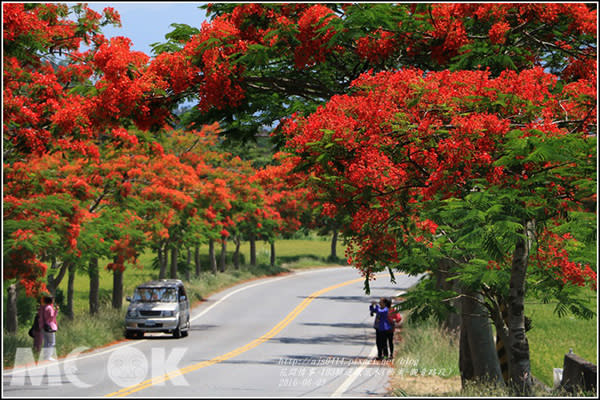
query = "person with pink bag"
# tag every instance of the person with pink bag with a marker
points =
(48, 326)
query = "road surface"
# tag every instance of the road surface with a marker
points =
(304, 334)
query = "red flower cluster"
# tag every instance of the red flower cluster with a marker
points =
(554, 256)
(313, 44)
(376, 47)
(219, 86)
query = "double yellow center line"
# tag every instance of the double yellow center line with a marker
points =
(285, 322)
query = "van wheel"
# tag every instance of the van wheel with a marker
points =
(177, 332)
(188, 326)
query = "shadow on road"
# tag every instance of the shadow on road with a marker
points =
(327, 339)
(313, 360)
(163, 335)
(396, 288)
(360, 299)
(203, 327)
(340, 325)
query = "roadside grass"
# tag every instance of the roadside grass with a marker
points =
(425, 361)
(85, 331)
(426, 349)
(426, 365)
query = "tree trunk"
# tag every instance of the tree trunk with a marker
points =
(11, 309)
(223, 257)
(500, 318)
(188, 262)
(465, 358)
(236, 254)
(333, 256)
(117, 295)
(479, 360)
(252, 251)
(272, 253)
(70, 290)
(197, 260)
(54, 281)
(211, 256)
(162, 262)
(445, 271)
(94, 286)
(174, 256)
(519, 365)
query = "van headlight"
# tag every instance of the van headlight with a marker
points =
(168, 313)
(132, 313)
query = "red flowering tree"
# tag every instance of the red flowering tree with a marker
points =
(463, 166)
(251, 217)
(209, 216)
(286, 195)
(45, 193)
(263, 62)
(68, 149)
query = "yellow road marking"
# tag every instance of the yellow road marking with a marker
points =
(282, 324)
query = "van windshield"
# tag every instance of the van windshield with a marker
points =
(158, 294)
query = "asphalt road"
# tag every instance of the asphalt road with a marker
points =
(306, 334)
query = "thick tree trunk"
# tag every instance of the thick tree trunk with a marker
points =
(174, 256)
(197, 260)
(333, 256)
(252, 250)
(11, 309)
(500, 318)
(518, 346)
(94, 274)
(478, 360)
(117, 295)
(211, 256)
(223, 256)
(445, 271)
(70, 290)
(465, 358)
(273, 258)
(236, 254)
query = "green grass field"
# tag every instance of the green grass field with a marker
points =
(551, 338)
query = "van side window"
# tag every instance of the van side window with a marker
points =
(181, 292)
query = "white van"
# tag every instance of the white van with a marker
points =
(158, 306)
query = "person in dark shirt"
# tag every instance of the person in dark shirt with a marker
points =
(383, 327)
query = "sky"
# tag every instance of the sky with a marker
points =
(148, 22)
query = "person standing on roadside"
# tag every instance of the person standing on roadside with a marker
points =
(395, 320)
(38, 335)
(48, 326)
(383, 327)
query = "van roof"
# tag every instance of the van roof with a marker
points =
(162, 283)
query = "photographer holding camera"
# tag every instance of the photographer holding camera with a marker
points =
(384, 332)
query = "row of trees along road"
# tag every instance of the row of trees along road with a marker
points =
(96, 166)
(457, 139)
